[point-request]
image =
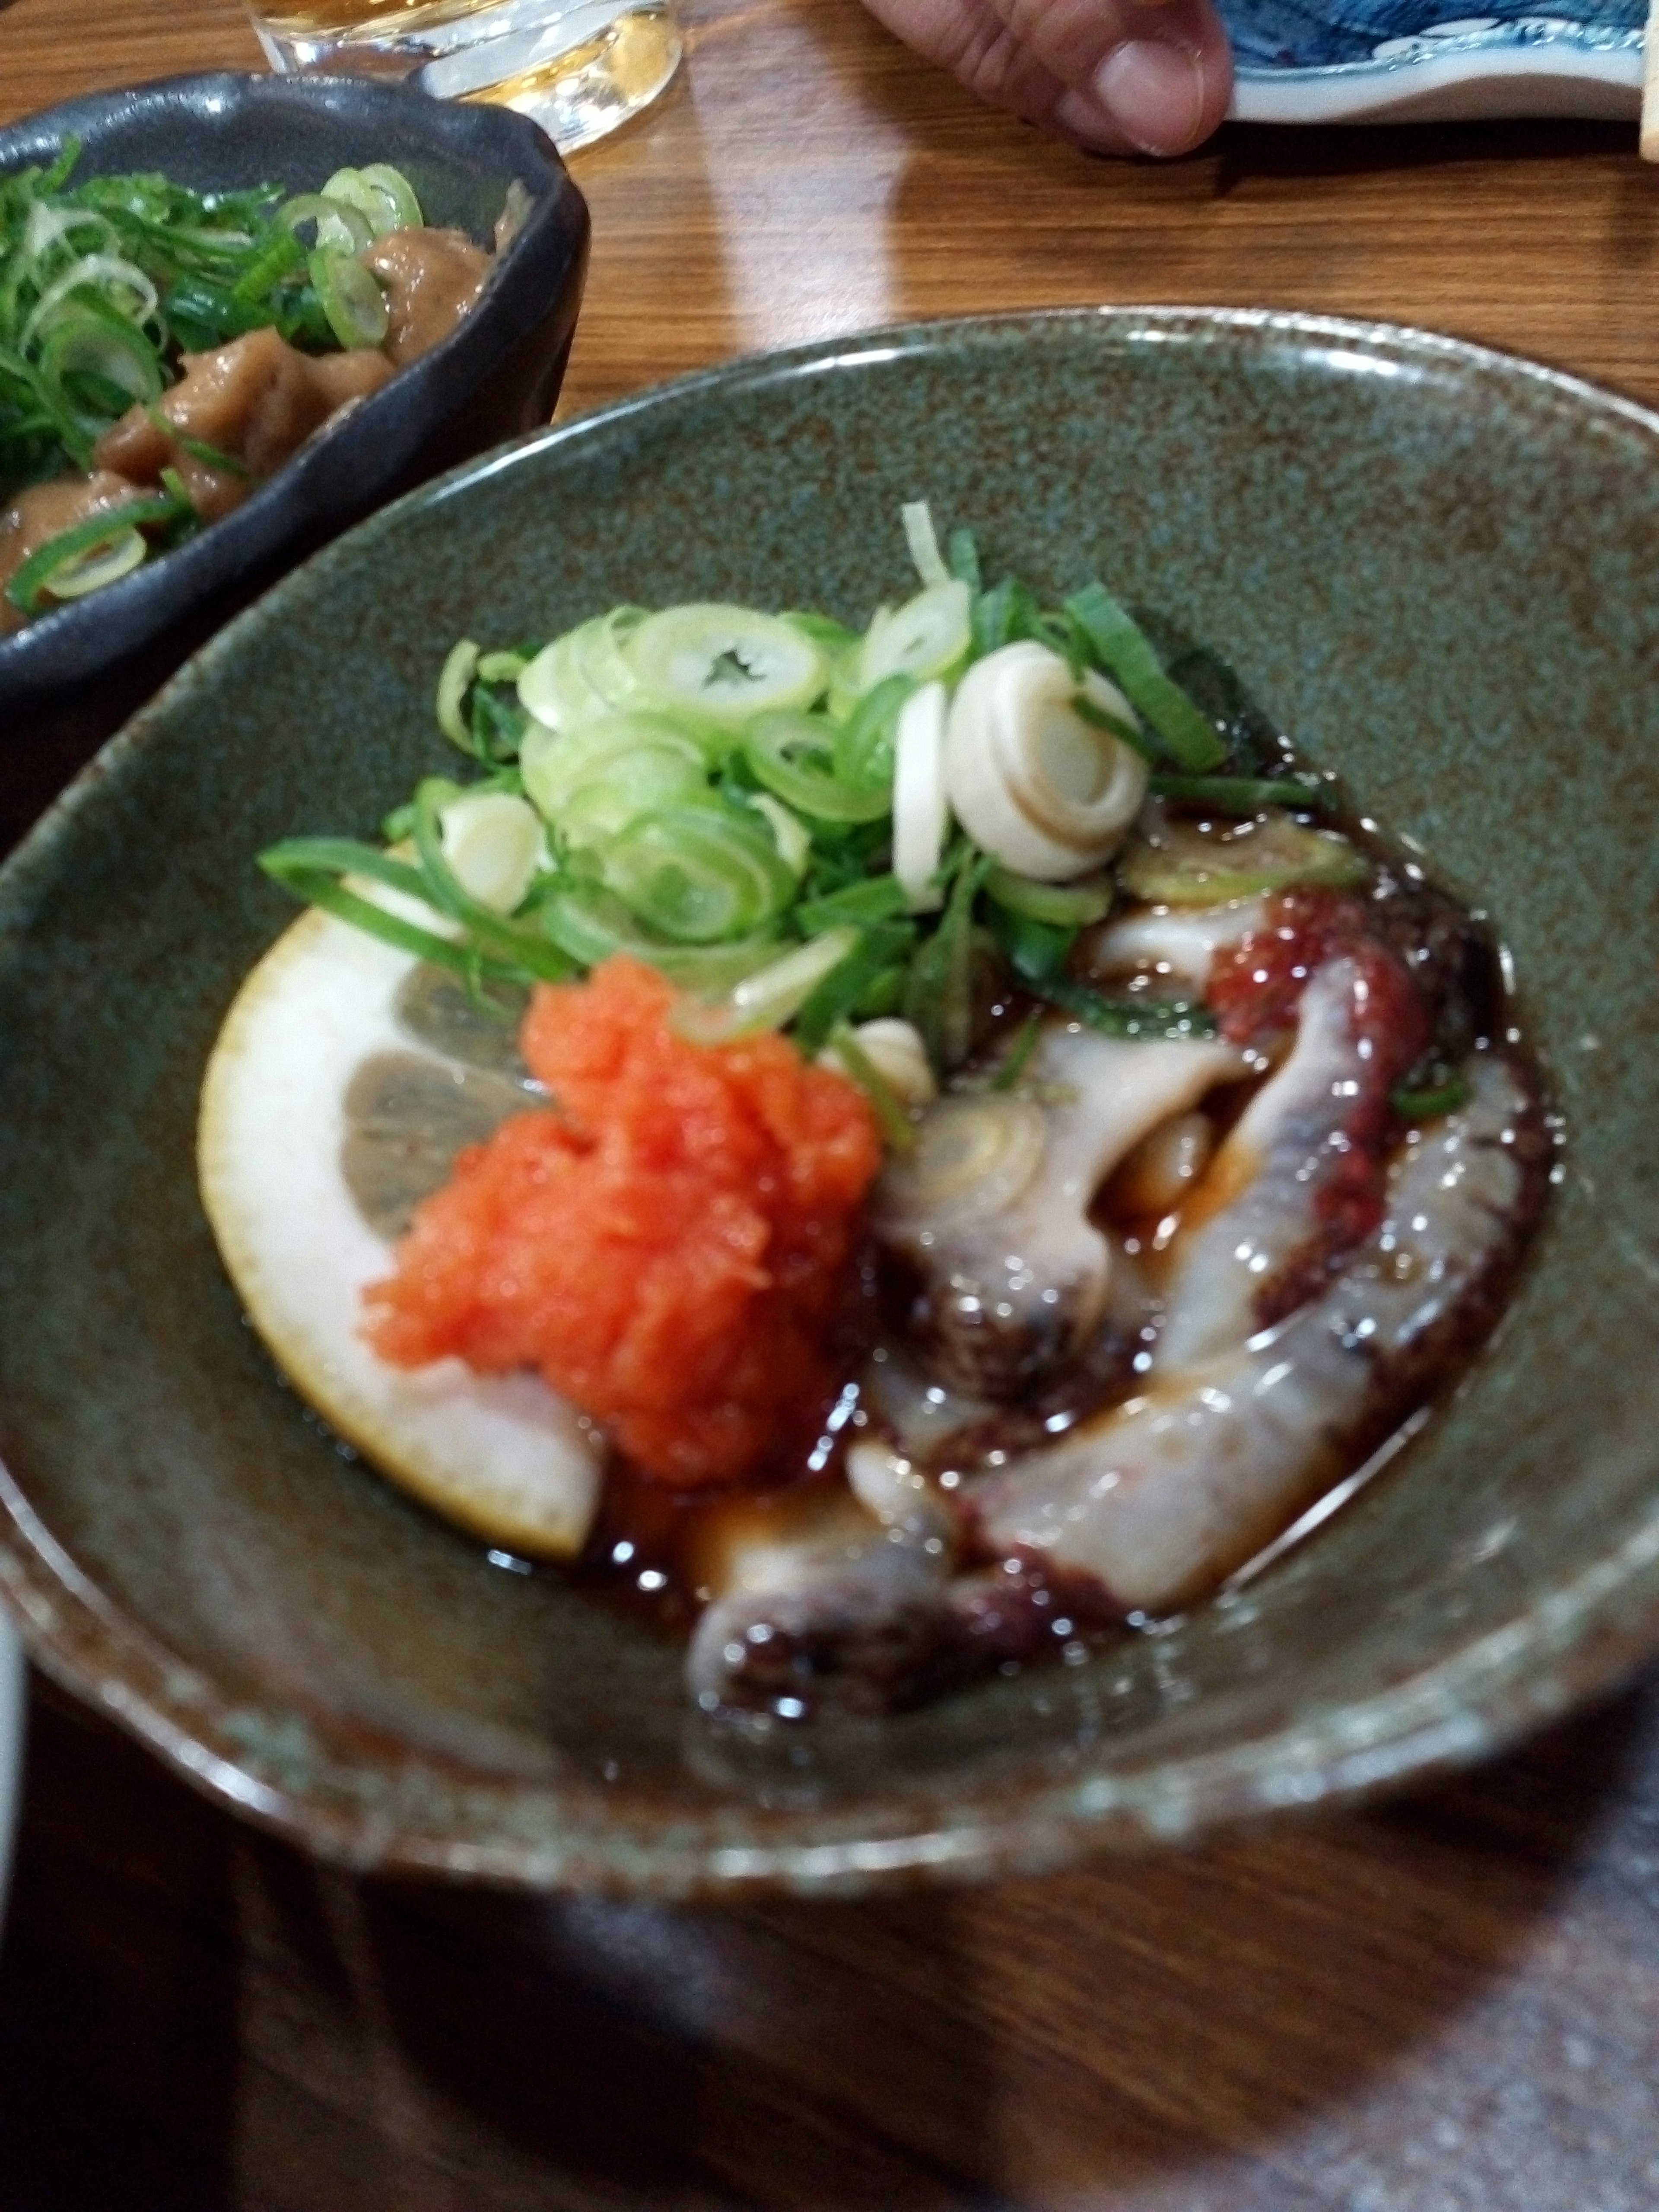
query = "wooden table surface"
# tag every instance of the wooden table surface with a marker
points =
(1450, 2005)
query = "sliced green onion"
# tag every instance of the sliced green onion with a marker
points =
(399, 826)
(114, 273)
(605, 804)
(789, 833)
(939, 998)
(772, 995)
(961, 557)
(1245, 795)
(698, 875)
(494, 844)
(876, 898)
(331, 896)
(34, 579)
(922, 539)
(341, 228)
(864, 743)
(90, 342)
(720, 666)
(351, 298)
(596, 650)
(454, 682)
(201, 315)
(1037, 950)
(381, 194)
(1429, 1104)
(992, 622)
(345, 856)
(892, 1115)
(930, 636)
(633, 762)
(591, 923)
(1017, 1059)
(1126, 653)
(1063, 906)
(501, 667)
(67, 154)
(48, 226)
(583, 676)
(311, 869)
(1182, 866)
(832, 638)
(494, 935)
(884, 993)
(211, 457)
(282, 256)
(793, 756)
(397, 188)
(1128, 1017)
(76, 578)
(1101, 718)
(842, 993)
(921, 797)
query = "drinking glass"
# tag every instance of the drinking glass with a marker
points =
(578, 67)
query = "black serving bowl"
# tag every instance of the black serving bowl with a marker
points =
(73, 675)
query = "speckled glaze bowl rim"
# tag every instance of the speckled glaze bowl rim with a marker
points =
(1570, 1644)
(376, 437)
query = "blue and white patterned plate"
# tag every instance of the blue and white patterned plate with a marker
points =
(1353, 61)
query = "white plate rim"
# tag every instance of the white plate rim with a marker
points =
(1475, 76)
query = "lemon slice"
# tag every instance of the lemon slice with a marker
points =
(502, 1456)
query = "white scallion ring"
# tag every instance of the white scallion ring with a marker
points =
(920, 811)
(493, 843)
(1031, 780)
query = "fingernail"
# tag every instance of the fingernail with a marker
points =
(1154, 93)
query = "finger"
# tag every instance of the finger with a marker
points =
(971, 40)
(1081, 65)
(1152, 74)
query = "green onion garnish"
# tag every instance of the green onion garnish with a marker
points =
(793, 756)
(1100, 718)
(54, 565)
(454, 682)
(351, 298)
(1126, 653)
(1243, 795)
(892, 1116)
(211, 457)
(844, 993)
(1017, 1057)
(874, 898)
(1063, 906)
(939, 999)
(1431, 1103)
(1128, 1017)
(698, 874)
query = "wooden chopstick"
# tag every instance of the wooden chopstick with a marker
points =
(1649, 139)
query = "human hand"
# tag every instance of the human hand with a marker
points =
(1116, 76)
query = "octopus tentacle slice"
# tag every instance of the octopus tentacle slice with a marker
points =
(1260, 1199)
(1011, 1292)
(846, 1607)
(1159, 1499)
(1173, 946)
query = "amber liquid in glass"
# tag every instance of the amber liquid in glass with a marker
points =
(579, 67)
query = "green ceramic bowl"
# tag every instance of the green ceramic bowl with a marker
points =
(1434, 565)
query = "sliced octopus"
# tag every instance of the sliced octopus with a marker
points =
(1328, 1268)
